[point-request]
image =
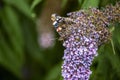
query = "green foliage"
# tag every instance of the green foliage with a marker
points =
(35, 3)
(64, 2)
(21, 56)
(20, 5)
(54, 73)
(90, 3)
(11, 37)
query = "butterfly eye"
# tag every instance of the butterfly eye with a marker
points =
(55, 24)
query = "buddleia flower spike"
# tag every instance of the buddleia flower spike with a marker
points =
(83, 32)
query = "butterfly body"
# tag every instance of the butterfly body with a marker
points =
(62, 25)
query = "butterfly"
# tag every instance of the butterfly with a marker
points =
(62, 25)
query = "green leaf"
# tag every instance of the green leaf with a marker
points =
(32, 46)
(9, 58)
(34, 3)
(20, 5)
(108, 66)
(80, 2)
(12, 26)
(90, 3)
(11, 42)
(116, 34)
(54, 73)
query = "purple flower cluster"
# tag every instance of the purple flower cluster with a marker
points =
(83, 32)
(78, 56)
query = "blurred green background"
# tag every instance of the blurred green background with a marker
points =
(29, 45)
